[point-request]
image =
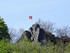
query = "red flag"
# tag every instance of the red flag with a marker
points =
(30, 17)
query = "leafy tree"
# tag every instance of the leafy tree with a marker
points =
(3, 30)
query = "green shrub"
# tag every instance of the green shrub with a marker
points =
(67, 48)
(5, 47)
(25, 46)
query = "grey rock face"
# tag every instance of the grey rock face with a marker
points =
(34, 30)
(37, 34)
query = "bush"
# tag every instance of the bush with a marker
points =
(5, 47)
(25, 46)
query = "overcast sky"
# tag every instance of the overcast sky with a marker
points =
(16, 12)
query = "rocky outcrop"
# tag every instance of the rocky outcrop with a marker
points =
(38, 34)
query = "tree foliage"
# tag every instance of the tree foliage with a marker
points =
(3, 30)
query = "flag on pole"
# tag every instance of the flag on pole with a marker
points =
(30, 17)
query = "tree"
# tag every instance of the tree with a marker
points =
(12, 33)
(19, 34)
(48, 26)
(3, 30)
(65, 31)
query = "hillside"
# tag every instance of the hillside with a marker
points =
(37, 39)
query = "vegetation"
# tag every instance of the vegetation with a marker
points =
(3, 30)
(5, 47)
(26, 46)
